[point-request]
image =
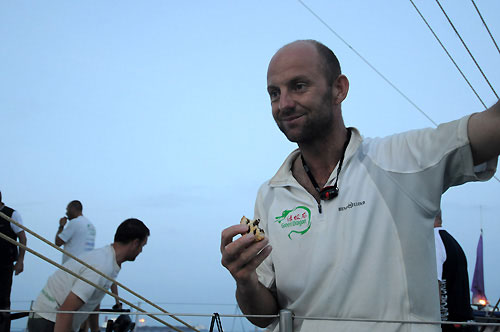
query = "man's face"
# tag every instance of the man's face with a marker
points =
(136, 248)
(70, 212)
(301, 99)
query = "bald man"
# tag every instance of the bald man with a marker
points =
(349, 220)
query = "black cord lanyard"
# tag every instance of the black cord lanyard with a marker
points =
(329, 192)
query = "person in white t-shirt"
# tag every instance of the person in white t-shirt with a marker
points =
(349, 220)
(64, 292)
(76, 233)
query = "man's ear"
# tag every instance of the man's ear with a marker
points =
(340, 89)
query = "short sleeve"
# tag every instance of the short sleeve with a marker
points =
(427, 162)
(68, 232)
(84, 290)
(17, 217)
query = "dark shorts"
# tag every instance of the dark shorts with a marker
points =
(40, 325)
(6, 272)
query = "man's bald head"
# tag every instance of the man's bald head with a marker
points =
(74, 209)
(329, 63)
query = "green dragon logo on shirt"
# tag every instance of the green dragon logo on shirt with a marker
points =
(299, 219)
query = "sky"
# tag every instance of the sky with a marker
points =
(158, 110)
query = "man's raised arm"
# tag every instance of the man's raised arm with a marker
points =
(484, 134)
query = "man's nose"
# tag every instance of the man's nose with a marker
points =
(286, 101)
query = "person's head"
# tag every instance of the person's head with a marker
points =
(438, 221)
(131, 235)
(328, 62)
(74, 209)
(306, 88)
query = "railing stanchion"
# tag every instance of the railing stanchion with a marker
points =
(286, 323)
(136, 327)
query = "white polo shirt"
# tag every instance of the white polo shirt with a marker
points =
(370, 253)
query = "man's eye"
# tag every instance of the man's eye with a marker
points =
(274, 95)
(300, 86)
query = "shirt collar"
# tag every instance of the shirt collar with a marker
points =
(284, 175)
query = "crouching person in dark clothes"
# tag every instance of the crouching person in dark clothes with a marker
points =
(64, 292)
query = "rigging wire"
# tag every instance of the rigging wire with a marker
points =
(29, 231)
(465, 45)
(486, 26)
(367, 62)
(96, 286)
(452, 60)
(449, 55)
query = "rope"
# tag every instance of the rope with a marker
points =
(463, 43)
(484, 23)
(360, 320)
(447, 53)
(84, 264)
(368, 63)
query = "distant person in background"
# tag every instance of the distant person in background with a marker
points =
(77, 237)
(64, 292)
(453, 279)
(11, 260)
(79, 234)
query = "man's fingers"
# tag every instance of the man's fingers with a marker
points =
(245, 271)
(241, 252)
(245, 246)
(257, 260)
(230, 232)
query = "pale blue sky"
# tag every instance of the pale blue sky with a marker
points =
(159, 110)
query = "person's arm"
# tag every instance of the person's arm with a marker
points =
(94, 320)
(19, 266)
(64, 321)
(114, 290)
(241, 258)
(58, 241)
(484, 134)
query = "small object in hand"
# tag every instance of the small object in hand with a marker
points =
(253, 227)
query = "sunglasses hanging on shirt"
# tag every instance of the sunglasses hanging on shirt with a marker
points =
(329, 192)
